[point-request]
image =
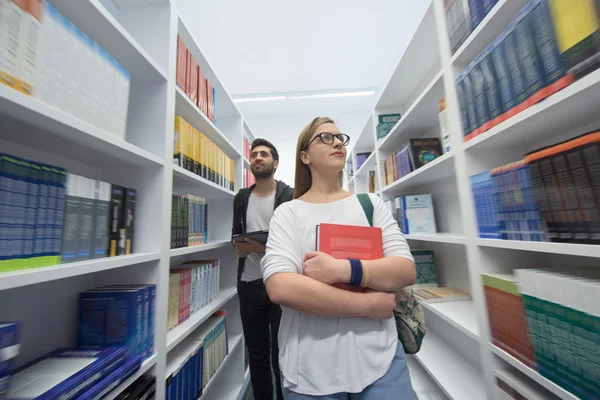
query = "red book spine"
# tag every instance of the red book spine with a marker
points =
(211, 104)
(188, 75)
(181, 63)
(193, 81)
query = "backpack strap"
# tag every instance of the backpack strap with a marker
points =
(367, 206)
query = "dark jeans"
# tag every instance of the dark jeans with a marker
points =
(260, 320)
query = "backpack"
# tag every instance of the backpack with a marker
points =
(410, 320)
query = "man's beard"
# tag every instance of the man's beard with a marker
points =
(265, 172)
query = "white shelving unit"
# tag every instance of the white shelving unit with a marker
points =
(456, 351)
(142, 37)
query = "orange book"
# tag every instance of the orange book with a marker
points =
(211, 102)
(181, 70)
(193, 84)
(350, 241)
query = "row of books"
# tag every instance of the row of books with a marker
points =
(189, 221)
(463, 16)
(426, 287)
(533, 58)
(413, 213)
(143, 388)
(415, 154)
(550, 195)
(48, 215)
(192, 365)
(192, 286)
(45, 55)
(193, 82)
(74, 373)
(249, 178)
(195, 152)
(548, 319)
(119, 315)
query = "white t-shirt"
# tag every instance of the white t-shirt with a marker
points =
(258, 216)
(320, 356)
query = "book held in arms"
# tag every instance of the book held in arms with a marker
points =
(350, 241)
(65, 373)
(193, 363)
(192, 286)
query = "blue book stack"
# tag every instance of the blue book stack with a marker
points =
(112, 380)
(113, 317)
(485, 206)
(9, 350)
(65, 373)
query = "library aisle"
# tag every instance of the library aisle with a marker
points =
(121, 152)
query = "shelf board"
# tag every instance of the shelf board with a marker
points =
(460, 314)
(522, 385)
(440, 168)
(456, 376)
(233, 342)
(487, 31)
(185, 180)
(217, 244)
(30, 122)
(573, 106)
(246, 163)
(180, 332)
(422, 115)
(245, 384)
(98, 23)
(571, 249)
(532, 374)
(31, 276)
(189, 111)
(146, 365)
(438, 238)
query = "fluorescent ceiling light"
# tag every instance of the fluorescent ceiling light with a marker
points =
(303, 95)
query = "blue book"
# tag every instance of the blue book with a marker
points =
(122, 314)
(14, 177)
(9, 350)
(149, 313)
(65, 373)
(112, 380)
(505, 85)
(515, 67)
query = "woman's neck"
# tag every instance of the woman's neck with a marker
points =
(324, 189)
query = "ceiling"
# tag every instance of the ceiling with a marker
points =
(272, 46)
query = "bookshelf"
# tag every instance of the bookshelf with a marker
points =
(142, 38)
(457, 350)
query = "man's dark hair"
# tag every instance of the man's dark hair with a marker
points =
(266, 143)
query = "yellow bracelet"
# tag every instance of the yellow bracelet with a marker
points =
(366, 276)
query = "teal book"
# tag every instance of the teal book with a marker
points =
(426, 271)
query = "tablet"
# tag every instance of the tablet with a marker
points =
(259, 236)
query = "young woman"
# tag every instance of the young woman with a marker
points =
(334, 344)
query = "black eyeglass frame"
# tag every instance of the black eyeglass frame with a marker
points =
(337, 136)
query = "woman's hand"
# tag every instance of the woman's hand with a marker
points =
(326, 269)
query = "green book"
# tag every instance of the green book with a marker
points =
(425, 265)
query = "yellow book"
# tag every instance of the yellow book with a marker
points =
(203, 146)
(232, 174)
(178, 140)
(196, 151)
(189, 159)
(211, 161)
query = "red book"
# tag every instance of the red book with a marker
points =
(188, 75)
(193, 80)
(350, 241)
(211, 102)
(202, 95)
(181, 70)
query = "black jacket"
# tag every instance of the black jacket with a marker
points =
(283, 193)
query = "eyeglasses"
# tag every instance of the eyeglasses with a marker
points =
(328, 138)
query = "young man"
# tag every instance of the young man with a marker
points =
(252, 211)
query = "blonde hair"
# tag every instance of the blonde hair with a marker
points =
(303, 180)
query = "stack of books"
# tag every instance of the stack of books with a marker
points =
(48, 215)
(195, 152)
(189, 221)
(192, 286)
(41, 48)
(133, 325)
(547, 196)
(74, 373)
(525, 64)
(192, 365)
(548, 318)
(9, 349)
(193, 82)
(417, 153)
